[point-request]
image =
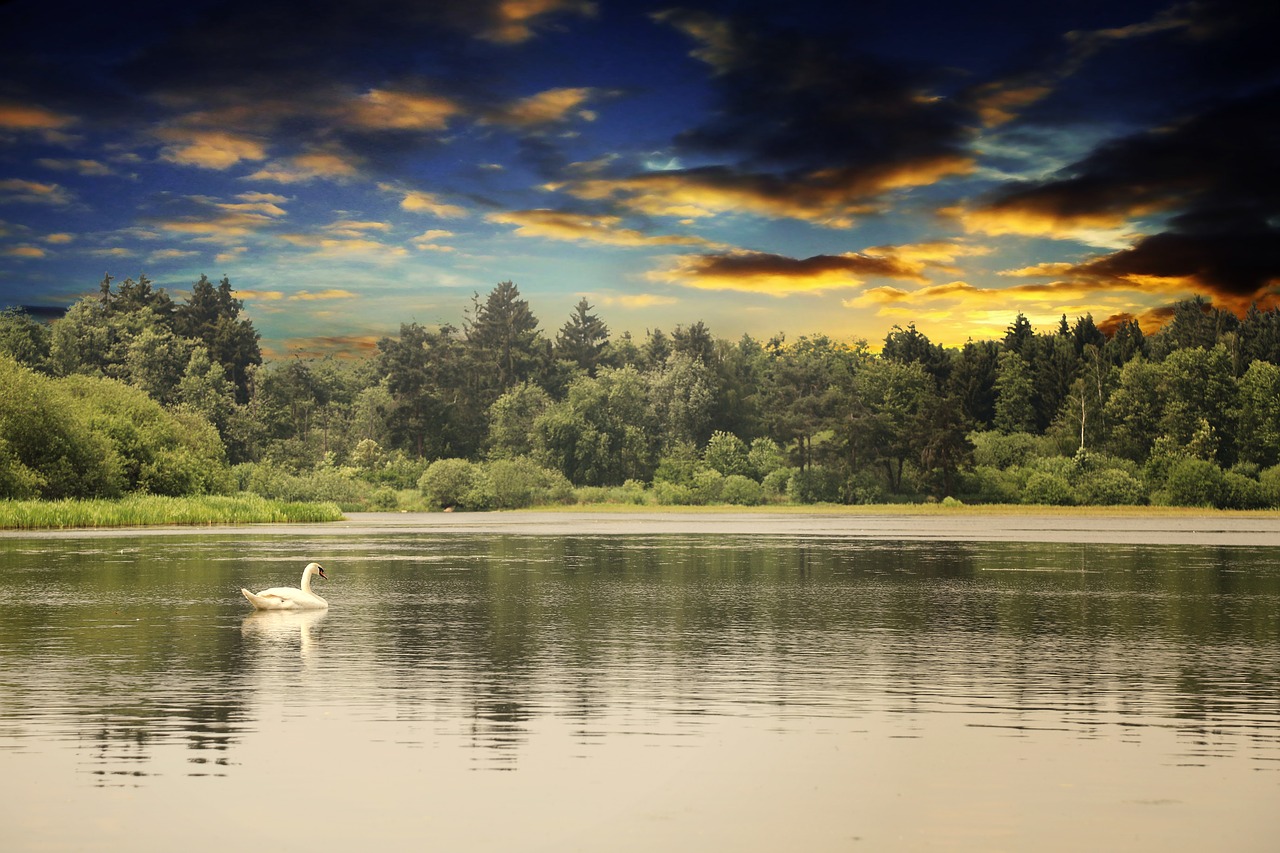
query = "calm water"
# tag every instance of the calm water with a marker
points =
(638, 693)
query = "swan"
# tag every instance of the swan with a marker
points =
(288, 597)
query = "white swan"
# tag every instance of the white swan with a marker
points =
(288, 597)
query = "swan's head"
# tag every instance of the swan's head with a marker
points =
(316, 569)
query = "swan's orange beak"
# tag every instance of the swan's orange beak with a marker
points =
(322, 574)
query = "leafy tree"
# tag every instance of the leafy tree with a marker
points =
(1134, 410)
(801, 391)
(972, 380)
(909, 346)
(681, 394)
(727, 454)
(1259, 414)
(894, 399)
(211, 315)
(1014, 410)
(511, 419)
(601, 434)
(694, 342)
(24, 339)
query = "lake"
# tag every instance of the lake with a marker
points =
(480, 690)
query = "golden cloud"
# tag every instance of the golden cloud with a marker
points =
(553, 105)
(16, 190)
(576, 227)
(260, 295)
(776, 275)
(1000, 102)
(1038, 270)
(209, 149)
(830, 197)
(170, 254)
(90, 168)
(307, 167)
(638, 300)
(332, 293)
(514, 20)
(1110, 228)
(416, 201)
(18, 116)
(25, 252)
(59, 239)
(384, 109)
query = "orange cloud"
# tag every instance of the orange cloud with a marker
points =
(16, 190)
(776, 275)
(385, 109)
(553, 105)
(829, 197)
(83, 167)
(514, 21)
(26, 252)
(19, 116)
(416, 201)
(209, 149)
(307, 167)
(575, 227)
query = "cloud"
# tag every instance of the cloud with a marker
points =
(638, 300)
(417, 201)
(812, 130)
(209, 149)
(25, 252)
(428, 241)
(170, 255)
(260, 295)
(388, 109)
(577, 227)
(1039, 270)
(323, 295)
(1213, 177)
(777, 275)
(17, 116)
(301, 168)
(515, 21)
(549, 107)
(208, 221)
(80, 167)
(18, 191)
(832, 198)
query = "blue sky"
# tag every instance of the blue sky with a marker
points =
(803, 168)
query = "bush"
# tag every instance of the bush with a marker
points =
(1005, 450)
(815, 484)
(1195, 482)
(326, 485)
(765, 457)
(777, 481)
(1241, 492)
(740, 490)
(707, 486)
(384, 498)
(1269, 480)
(448, 482)
(991, 485)
(673, 494)
(518, 483)
(726, 453)
(1110, 487)
(1050, 489)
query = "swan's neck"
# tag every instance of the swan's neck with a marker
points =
(306, 582)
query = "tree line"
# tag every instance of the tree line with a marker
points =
(497, 412)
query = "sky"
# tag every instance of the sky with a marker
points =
(794, 167)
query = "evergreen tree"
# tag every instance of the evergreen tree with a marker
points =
(503, 340)
(583, 338)
(211, 315)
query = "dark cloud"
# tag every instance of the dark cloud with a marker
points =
(805, 107)
(1210, 182)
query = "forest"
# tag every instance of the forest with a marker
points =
(132, 392)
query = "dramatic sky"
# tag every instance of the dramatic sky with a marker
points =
(783, 166)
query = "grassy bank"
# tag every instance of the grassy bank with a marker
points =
(151, 510)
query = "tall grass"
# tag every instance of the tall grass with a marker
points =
(154, 510)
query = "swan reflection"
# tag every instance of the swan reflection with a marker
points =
(282, 627)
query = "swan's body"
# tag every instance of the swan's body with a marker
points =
(288, 597)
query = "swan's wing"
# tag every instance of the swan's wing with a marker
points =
(277, 598)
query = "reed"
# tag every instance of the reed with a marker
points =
(156, 510)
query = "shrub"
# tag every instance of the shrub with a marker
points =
(1110, 487)
(815, 484)
(384, 498)
(673, 494)
(777, 481)
(448, 482)
(765, 457)
(1195, 482)
(1241, 492)
(740, 490)
(1005, 450)
(707, 485)
(519, 482)
(726, 453)
(1269, 480)
(1045, 488)
(988, 484)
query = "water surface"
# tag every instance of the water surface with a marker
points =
(676, 692)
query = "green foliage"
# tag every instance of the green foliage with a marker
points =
(765, 457)
(520, 483)
(727, 454)
(449, 483)
(815, 484)
(152, 510)
(1005, 450)
(1110, 487)
(324, 485)
(741, 490)
(1195, 482)
(1047, 488)
(602, 433)
(777, 483)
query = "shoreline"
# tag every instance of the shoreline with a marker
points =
(1076, 527)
